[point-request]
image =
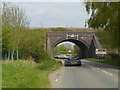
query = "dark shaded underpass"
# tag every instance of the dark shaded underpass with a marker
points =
(84, 49)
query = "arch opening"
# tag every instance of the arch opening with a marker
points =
(82, 51)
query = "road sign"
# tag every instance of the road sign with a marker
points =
(100, 51)
(71, 35)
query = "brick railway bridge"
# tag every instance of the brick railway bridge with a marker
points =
(87, 42)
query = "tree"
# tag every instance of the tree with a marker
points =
(61, 49)
(104, 15)
(13, 21)
(32, 45)
(75, 51)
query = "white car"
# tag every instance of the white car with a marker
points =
(62, 56)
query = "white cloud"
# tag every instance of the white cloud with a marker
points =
(37, 12)
(55, 14)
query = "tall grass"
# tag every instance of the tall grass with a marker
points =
(0, 74)
(21, 74)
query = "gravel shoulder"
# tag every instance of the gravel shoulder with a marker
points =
(54, 77)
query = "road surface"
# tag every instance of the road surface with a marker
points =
(89, 75)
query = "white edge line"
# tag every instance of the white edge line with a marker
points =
(89, 66)
(99, 69)
(106, 72)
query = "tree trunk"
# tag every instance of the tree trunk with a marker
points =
(8, 55)
(12, 54)
(17, 53)
(18, 45)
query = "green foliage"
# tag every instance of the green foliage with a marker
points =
(7, 39)
(61, 49)
(58, 29)
(75, 51)
(27, 74)
(106, 40)
(104, 15)
(101, 15)
(33, 45)
(19, 40)
(13, 21)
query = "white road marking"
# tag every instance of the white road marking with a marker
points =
(98, 69)
(106, 72)
(56, 80)
(93, 68)
(89, 66)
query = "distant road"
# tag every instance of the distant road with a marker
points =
(89, 75)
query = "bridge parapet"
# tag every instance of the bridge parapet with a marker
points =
(81, 34)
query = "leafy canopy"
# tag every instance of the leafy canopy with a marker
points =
(104, 15)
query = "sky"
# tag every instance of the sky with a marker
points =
(55, 14)
(67, 44)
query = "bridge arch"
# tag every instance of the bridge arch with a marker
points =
(71, 40)
(84, 47)
(87, 41)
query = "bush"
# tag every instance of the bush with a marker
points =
(114, 55)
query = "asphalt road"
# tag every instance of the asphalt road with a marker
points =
(89, 75)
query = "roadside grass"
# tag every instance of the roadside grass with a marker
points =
(0, 74)
(27, 74)
(104, 61)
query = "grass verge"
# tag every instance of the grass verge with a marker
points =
(21, 74)
(0, 75)
(109, 62)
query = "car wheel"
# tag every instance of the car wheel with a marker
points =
(65, 64)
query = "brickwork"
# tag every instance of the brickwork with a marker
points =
(87, 41)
